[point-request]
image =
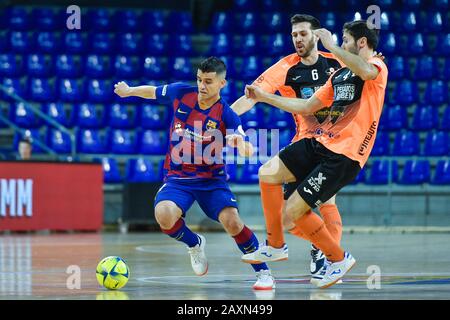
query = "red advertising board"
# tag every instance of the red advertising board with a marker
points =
(51, 196)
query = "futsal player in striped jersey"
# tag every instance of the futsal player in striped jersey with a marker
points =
(194, 168)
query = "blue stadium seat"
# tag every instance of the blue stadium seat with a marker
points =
(98, 66)
(406, 143)
(100, 20)
(230, 64)
(41, 89)
(181, 69)
(398, 68)
(128, 67)
(277, 45)
(4, 40)
(111, 171)
(426, 68)
(436, 92)
(414, 45)
(328, 20)
(155, 45)
(21, 42)
(278, 119)
(121, 116)
(425, 118)
(229, 93)
(248, 45)
(254, 118)
(385, 21)
(406, 92)
(130, 43)
(388, 44)
(285, 138)
(443, 45)
(245, 5)
(18, 18)
(442, 173)
(47, 19)
(251, 68)
(154, 68)
(88, 115)
(22, 115)
(444, 73)
(122, 141)
(39, 65)
(247, 22)
(75, 42)
(361, 177)
(11, 65)
(15, 86)
(183, 21)
(381, 145)
(153, 142)
(102, 43)
(415, 172)
(413, 4)
(222, 44)
(445, 121)
(129, 20)
(182, 45)
(397, 117)
(58, 141)
(437, 143)
(409, 21)
(57, 112)
(275, 22)
(155, 22)
(99, 91)
(69, 66)
(383, 172)
(222, 22)
(48, 42)
(91, 141)
(249, 174)
(440, 4)
(271, 5)
(140, 170)
(71, 90)
(432, 22)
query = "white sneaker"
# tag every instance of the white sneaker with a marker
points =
(317, 260)
(335, 271)
(264, 281)
(266, 253)
(198, 258)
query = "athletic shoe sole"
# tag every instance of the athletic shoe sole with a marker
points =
(258, 261)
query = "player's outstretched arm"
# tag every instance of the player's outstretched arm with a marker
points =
(245, 148)
(358, 65)
(242, 105)
(123, 90)
(292, 105)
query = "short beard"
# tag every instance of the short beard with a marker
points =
(308, 49)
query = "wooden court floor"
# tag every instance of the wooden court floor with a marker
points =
(389, 266)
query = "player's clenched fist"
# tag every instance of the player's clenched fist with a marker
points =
(254, 92)
(122, 89)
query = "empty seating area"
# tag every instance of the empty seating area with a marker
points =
(69, 76)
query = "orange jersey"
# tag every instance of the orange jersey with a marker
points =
(291, 78)
(355, 111)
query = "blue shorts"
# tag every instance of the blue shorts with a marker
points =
(212, 195)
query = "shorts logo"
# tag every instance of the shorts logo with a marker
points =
(164, 91)
(307, 190)
(316, 183)
(318, 203)
(234, 200)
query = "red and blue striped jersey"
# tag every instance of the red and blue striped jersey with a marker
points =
(197, 136)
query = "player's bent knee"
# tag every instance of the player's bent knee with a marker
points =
(232, 223)
(167, 214)
(296, 207)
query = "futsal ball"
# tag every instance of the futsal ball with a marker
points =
(112, 273)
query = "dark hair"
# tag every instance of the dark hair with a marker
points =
(359, 28)
(213, 64)
(25, 140)
(315, 23)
